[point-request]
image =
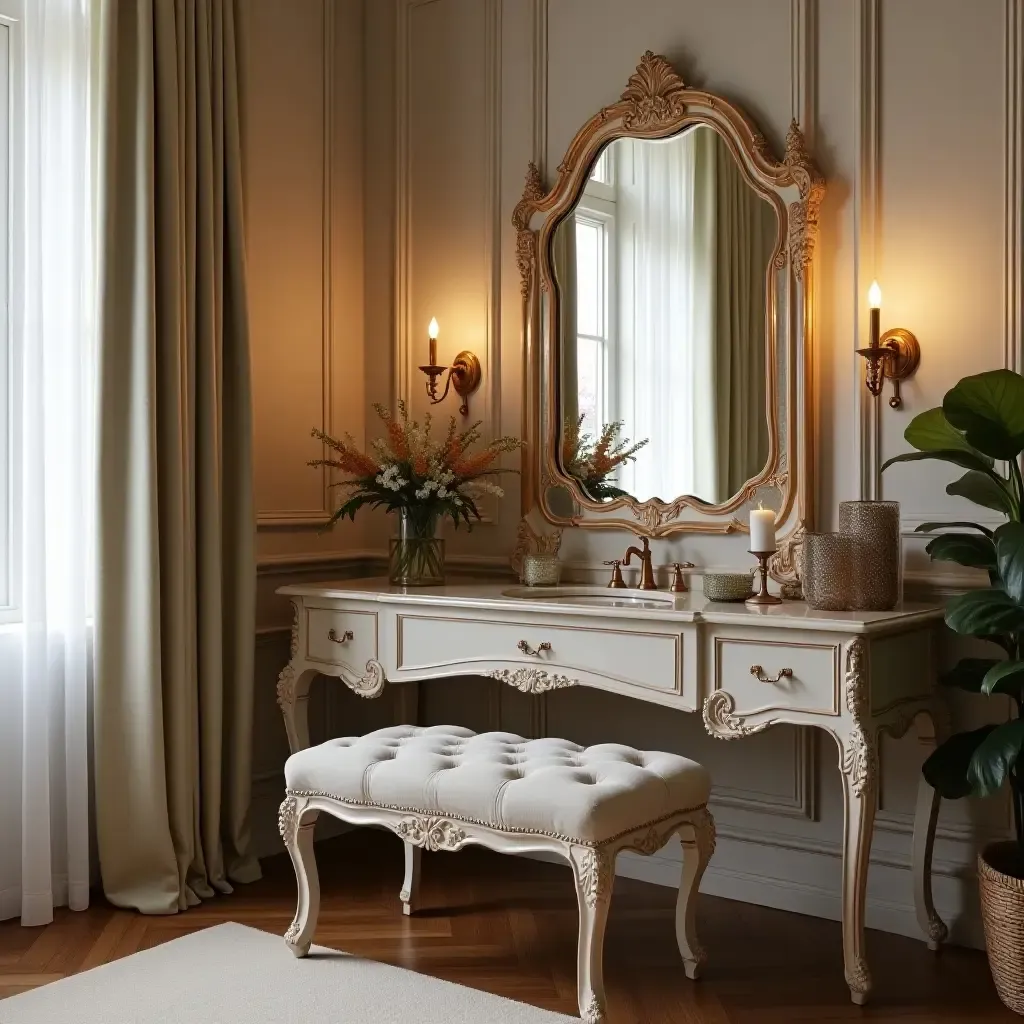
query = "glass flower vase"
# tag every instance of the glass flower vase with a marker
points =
(416, 557)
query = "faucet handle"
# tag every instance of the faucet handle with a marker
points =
(616, 582)
(678, 580)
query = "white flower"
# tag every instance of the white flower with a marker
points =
(442, 492)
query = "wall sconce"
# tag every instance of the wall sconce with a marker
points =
(464, 373)
(893, 356)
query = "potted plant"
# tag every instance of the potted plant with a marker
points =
(979, 428)
(420, 479)
(593, 460)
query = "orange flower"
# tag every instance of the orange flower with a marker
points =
(473, 465)
(452, 452)
(397, 440)
(420, 464)
(358, 463)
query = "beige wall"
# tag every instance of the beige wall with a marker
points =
(912, 108)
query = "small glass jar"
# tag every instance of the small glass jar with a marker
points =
(877, 568)
(541, 570)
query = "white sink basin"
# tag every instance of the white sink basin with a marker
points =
(590, 596)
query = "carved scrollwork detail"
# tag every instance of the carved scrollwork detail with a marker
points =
(858, 758)
(593, 1012)
(293, 931)
(526, 240)
(654, 95)
(652, 514)
(432, 834)
(859, 976)
(369, 685)
(649, 842)
(288, 821)
(720, 721)
(803, 214)
(286, 686)
(532, 680)
(293, 646)
(937, 930)
(785, 564)
(596, 876)
(704, 834)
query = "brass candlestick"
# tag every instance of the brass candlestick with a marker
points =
(762, 597)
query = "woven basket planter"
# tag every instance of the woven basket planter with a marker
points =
(1002, 910)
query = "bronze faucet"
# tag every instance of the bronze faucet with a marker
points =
(647, 581)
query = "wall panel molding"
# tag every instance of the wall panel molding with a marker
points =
(405, 376)
(867, 178)
(1013, 105)
(318, 517)
(800, 803)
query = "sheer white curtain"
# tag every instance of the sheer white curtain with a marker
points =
(45, 661)
(667, 263)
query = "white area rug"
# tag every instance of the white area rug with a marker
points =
(231, 974)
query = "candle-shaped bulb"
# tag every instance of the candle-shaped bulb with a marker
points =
(875, 304)
(432, 332)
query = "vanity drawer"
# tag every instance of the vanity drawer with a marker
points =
(341, 637)
(652, 660)
(763, 675)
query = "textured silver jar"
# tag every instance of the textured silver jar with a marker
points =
(541, 570)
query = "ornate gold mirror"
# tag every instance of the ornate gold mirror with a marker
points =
(666, 283)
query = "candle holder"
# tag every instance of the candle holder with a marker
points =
(762, 598)
(463, 375)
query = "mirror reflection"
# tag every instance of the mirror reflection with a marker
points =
(661, 271)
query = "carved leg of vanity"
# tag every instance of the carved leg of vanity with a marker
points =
(858, 825)
(698, 846)
(293, 697)
(411, 886)
(296, 830)
(593, 871)
(931, 730)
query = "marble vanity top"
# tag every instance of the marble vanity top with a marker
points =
(636, 604)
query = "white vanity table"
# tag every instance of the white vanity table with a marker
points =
(851, 674)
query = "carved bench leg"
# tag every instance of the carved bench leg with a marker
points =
(593, 871)
(698, 838)
(297, 831)
(411, 886)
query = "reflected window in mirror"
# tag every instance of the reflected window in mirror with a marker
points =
(662, 269)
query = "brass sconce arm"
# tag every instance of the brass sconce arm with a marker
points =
(464, 374)
(895, 357)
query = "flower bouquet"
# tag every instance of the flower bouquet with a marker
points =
(421, 479)
(592, 461)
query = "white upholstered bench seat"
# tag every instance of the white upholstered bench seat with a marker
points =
(443, 787)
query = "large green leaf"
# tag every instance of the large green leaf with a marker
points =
(1004, 677)
(964, 549)
(963, 458)
(995, 756)
(989, 408)
(984, 613)
(969, 673)
(984, 489)
(947, 767)
(931, 431)
(1010, 559)
(929, 527)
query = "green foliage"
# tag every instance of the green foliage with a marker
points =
(980, 425)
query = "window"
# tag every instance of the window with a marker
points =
(10, 217)
(595, 295)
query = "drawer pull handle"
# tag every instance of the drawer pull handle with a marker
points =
(343, 639)
(784, 673)
(527, 649)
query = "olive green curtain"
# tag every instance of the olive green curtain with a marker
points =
(745, 231)
(176, 565)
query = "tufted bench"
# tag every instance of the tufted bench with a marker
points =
(444, 787)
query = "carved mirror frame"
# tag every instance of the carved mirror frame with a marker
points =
(656, 104)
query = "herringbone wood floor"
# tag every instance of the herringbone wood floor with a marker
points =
(508, 925)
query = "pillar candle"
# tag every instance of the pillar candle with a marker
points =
(762, 529)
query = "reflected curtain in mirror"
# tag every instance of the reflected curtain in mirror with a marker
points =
(661, 270)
